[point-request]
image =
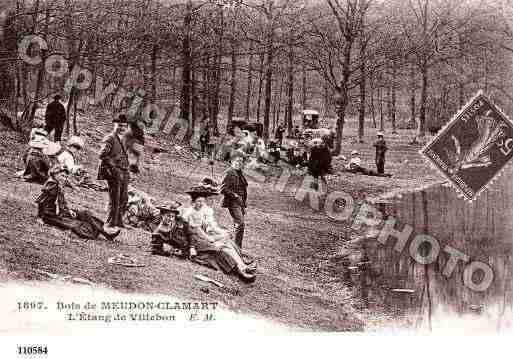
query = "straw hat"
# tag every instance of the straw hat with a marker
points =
(173, 207)
(38, 132)
(380, 133)
(202, 191)
(209, 183)
(39, 142)
(76, 141)
(52, 149)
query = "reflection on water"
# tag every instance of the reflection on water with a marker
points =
(396, 291)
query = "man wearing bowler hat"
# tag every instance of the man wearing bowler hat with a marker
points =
(113, 168)
(55, 117)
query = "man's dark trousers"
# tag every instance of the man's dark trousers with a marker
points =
(118, 198)
(58, 130)
(237, 214)
(380, 165)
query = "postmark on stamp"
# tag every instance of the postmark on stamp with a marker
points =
(474, 147)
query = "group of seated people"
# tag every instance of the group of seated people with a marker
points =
(194, 232)
(42, 154)
(354, 165)
(250, 144)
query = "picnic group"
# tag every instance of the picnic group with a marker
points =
(189, 231)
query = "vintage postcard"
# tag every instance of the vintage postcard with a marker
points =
(175, 175)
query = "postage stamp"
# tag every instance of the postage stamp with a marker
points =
(474, 147)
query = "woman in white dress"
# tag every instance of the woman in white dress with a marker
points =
(212, 244)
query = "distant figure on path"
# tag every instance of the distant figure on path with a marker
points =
(55, 117)
(234, 188)
(113, 168)
(279, 134)
(381, 149)
(204, 140)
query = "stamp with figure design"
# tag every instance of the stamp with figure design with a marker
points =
(474, 147)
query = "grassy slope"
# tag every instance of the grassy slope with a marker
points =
(297, 249)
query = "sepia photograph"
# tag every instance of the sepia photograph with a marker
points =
(263, 166)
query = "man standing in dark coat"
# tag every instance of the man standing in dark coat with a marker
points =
(319, 162)
(114, 169)
(234, 188)
(55, 117)
(279, 135)
(381, 148)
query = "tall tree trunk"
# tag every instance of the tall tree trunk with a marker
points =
(461, 85)
(185, 96)
(260, 82)
(290, 91)
(412, 93)
(423, 101)
(218, 71)
(394, 96)
(250, 79)
(381, 118)
(303, 90)
(205, 99)
(343, 95)
(389, 101)
(194, 105)
(233, 81)
(268, 83)
(371, 100)
(41, 69)
(154, 55)
(361, 109)
(278, 106)
(174, 82)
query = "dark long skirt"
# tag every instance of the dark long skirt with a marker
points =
(85, 225)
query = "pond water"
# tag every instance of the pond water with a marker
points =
(398, 292)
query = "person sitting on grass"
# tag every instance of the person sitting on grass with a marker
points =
(172, 230)
(69, 158)
(54, 211)
(355, 166)
(214, 246)
(141, 212)
(36, 162)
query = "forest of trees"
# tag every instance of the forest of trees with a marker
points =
(388, 63)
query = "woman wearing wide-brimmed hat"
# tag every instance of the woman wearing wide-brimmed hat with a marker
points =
(36, 162)
(54, 211)
(172, 230)
(213, 244)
